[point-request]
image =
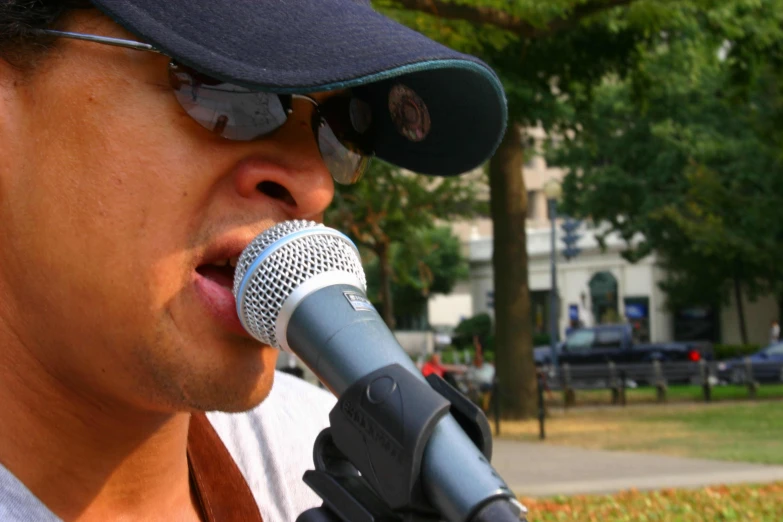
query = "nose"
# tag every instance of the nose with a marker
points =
(287, 170)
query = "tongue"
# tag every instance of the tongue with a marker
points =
(222, 275)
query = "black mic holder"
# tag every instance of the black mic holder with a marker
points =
(368, 462)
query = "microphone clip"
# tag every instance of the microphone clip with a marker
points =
(368, 462)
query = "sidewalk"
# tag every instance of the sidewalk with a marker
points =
(539, 470)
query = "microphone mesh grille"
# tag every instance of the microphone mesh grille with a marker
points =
(291, 263)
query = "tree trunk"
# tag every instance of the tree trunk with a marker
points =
(513, 321)
(740, 310)
(387, 306)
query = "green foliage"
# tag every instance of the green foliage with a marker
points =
(452, 356)
(541, 339)
(557, 51)
(388, 204)
(529, 63)
(479, 325)
(429, 262)
(679, 159)
(549, 56)
(729, 351)
(552, 55)
(394, 217)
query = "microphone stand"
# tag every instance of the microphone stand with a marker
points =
(368, 462)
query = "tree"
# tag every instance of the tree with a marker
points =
(391, 209)
(545, 53)
(429, 263)
(690, 168)
(550, 55)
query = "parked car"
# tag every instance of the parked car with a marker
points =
(766, 365)
(602, 344)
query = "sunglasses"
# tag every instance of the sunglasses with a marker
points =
(341, 124)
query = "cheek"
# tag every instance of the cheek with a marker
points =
(102, 199)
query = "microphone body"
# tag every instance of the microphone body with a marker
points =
(329, 323)
(341, 345)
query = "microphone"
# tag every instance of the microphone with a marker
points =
(300, 286)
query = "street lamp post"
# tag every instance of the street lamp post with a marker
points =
(553, 191)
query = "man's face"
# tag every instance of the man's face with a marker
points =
(115, 210)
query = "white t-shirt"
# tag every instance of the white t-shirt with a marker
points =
(271, 444)
(483, 375)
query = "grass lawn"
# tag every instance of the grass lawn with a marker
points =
(675, 393)
(716, 504)
(748, 431)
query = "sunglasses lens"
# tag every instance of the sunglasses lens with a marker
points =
(345, 165)
(237, 113)
(230, 111)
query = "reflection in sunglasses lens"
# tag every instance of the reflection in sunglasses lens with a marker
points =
(345, 166)
(237, 113)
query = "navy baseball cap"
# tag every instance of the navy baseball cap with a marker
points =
(434, 110)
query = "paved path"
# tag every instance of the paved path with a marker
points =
(534, 469)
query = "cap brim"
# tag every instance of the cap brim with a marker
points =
(322, 45)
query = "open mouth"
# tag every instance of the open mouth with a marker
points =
(220, 272)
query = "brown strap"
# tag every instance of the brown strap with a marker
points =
(219, 485)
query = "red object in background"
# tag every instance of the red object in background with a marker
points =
(694, 356)
(433, 367)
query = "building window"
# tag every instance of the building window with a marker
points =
(532, 204)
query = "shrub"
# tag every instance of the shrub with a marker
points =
(480, 325)
(540, 339)
(729, 351)
(452, 357)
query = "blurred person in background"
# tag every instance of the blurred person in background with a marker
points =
(433, 365)
(481, 375)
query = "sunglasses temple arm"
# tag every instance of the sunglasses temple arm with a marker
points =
(117, 42)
